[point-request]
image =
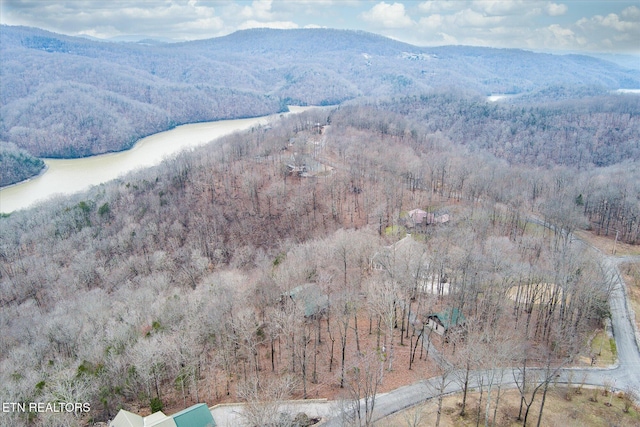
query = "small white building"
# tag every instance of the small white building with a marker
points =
(129, 419)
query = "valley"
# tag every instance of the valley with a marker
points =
(410, 238)
(72, 175)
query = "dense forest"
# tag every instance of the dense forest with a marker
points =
(285, 261)
(600, 130)
(16, 164)
(171, 285)
(70, 97)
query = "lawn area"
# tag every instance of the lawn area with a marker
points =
(395, 230)
(579, 411)
(606, 244)
(604, 347)
(631, 275)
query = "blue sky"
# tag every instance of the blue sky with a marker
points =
(587, 26)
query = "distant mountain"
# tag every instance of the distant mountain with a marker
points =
(139, 39)
(624, 60)
(130, 39)
(67, 96)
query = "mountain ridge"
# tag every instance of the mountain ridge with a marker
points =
(65, 96)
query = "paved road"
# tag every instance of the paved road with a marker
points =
(625, 374)
(230, 414)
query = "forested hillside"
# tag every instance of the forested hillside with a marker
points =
(166, 287)
(16, 164)
(600, 130)
(177, 284)
(71, 97)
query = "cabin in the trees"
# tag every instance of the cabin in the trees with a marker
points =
(428, 282)
(308, 298)
(420, 218)
(307, 167)
(445, 321)
(197, 415)
(385, 258)
(296, 170)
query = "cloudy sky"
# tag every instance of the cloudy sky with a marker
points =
(588, 26)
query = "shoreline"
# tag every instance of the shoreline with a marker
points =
(24, 181)
(70, 176)
(130, 147)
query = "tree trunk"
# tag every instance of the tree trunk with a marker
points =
(524, 387)
(344, 350)
(544, 397)
(355, 328)
(304, 367)
(412, 356)
(465, 388)
(404, 312)
(273, 356)
(479, 404)
(495, 408)
(314, 376)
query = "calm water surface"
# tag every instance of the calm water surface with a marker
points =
(73, 175)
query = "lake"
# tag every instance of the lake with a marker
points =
(68, 176)
(499, 96)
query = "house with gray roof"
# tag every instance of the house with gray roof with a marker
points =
(309, 298)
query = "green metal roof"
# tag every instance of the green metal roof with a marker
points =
(194, 416)
(311, 297)
(449, 318)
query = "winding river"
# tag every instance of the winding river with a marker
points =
(68, 176)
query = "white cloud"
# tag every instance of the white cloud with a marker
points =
(259, 9)
(501, 7)
(560, 32)
(558, 37)
(432, 22)
(437, 6)
(631, 13)
(470, 18)
(528, 24)
(259, 15)
(599, 23)
(533, 24)
(619, 32)
(554, 9)
(613, 21)
(176, 20)
(213, 23)
(388, 15)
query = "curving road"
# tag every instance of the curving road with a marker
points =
(625, 374)
(627, 371)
